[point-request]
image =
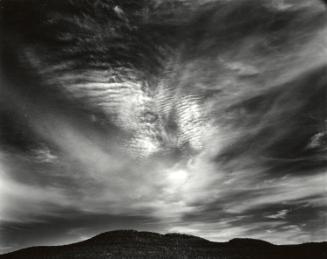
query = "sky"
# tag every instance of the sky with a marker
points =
(201, 117)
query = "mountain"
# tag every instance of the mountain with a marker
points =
(130, 244)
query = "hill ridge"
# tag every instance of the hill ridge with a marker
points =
(143, 244)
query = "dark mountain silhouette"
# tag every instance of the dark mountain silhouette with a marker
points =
(133, 244)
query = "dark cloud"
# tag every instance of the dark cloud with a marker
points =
(15, 132)
(299, 111)
(68, 227)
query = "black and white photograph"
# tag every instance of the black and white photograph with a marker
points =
(163, 129)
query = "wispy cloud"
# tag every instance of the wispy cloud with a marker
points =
(228, 140)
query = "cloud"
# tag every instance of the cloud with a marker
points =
(23, 202)
(222, 138)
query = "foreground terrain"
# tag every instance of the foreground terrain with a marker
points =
(133, 244)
